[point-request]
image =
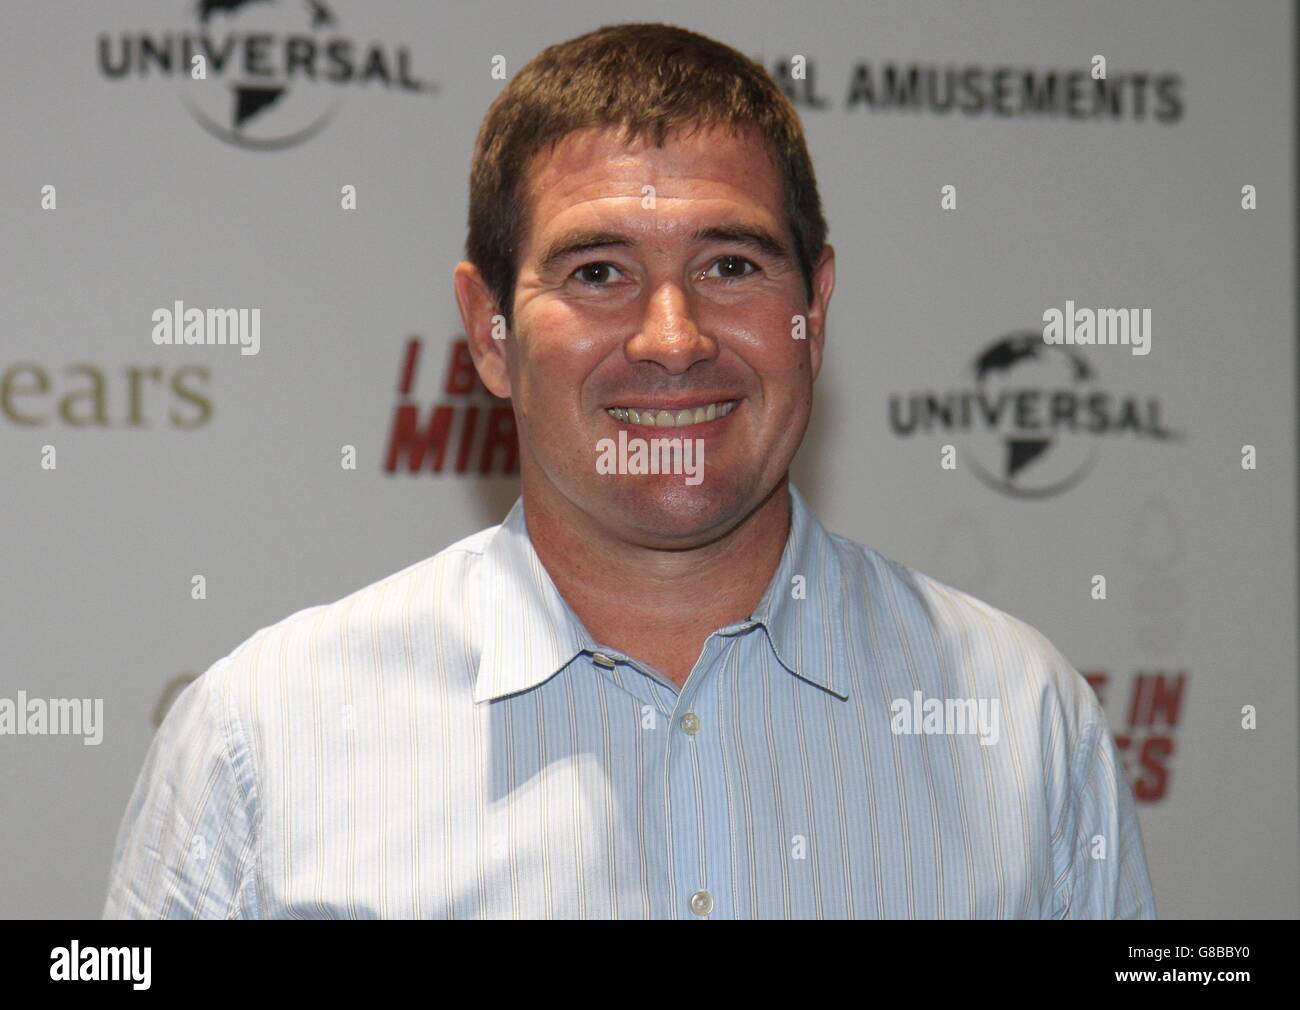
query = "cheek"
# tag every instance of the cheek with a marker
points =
(781, 363)
(551, 377)
(764, 333)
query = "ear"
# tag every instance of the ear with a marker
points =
(484, 327)
(823, 285)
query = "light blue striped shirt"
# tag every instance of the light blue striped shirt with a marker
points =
(450, 742)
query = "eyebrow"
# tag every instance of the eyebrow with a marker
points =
(572, 243)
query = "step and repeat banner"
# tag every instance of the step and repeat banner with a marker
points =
(1120, 176)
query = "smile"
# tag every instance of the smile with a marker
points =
(654, 417)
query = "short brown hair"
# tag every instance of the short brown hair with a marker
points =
(649, 79)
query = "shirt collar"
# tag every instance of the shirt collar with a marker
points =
(530, 633)
(803, 608)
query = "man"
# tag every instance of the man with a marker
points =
(641, 696)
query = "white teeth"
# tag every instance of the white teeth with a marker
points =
(653, 418)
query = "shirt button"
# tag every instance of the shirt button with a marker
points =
(690, 725)
(600, 659)
(701, 903)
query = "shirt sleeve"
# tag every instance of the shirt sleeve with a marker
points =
(1108, 873)
(186, 847)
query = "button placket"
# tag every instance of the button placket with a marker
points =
(697, 748)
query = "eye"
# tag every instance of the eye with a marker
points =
(730, 264)
(594, 274)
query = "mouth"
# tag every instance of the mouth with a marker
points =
(669, 417)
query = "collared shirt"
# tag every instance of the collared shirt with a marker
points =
(450, 742)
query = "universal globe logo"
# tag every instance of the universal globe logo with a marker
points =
(1032, 423)
(262, 75)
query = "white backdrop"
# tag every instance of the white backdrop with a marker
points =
(173, 462)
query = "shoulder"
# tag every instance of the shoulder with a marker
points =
(405, 614)
(965, 638)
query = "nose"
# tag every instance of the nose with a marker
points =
(669, 336)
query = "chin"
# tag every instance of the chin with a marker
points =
(665, 511)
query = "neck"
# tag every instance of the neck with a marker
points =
(676, 598)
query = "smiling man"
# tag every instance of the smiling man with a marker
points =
(641, 696)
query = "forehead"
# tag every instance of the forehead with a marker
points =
(592, 169)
